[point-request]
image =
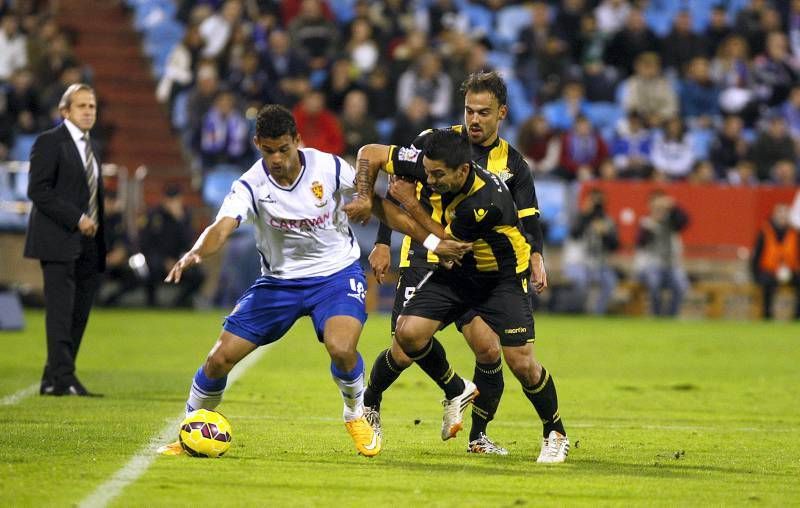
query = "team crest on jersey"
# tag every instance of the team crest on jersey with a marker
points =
(407, 154)
(504, 174)
(317, 189)
(480, 213)
(319, 193)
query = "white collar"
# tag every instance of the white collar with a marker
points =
(74, 131)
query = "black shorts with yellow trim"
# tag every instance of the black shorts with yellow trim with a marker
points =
(502, 302)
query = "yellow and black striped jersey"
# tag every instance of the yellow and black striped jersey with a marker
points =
(482, 212)
(499, 158)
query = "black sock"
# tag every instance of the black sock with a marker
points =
(384, 372)
(488, 378)
(433, 360)
(544, 398)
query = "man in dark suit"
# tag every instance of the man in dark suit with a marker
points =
(65, 233)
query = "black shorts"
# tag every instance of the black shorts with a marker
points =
(409, 278)
(407, 283)
(502, 302)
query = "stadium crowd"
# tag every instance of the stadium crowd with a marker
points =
(705, 90)
(668, 90)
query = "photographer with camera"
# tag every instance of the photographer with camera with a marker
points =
(592, 238)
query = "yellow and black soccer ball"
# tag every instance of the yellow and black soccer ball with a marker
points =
(205, 433)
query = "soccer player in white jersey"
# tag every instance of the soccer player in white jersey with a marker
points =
(309, 264)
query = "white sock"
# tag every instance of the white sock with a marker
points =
(351, 384)
(205, 393)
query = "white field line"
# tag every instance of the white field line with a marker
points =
(16, 397)
(140, 463)
(533, 423)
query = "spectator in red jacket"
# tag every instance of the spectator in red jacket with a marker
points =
(317, 125)
(582, 151)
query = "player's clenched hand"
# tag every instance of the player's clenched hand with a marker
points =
(538, 272)
(359, 209)
(379, 259)
(188, 259)
(451, 250)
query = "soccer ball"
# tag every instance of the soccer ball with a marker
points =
(205, 433)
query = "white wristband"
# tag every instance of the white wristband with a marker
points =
(431, 242)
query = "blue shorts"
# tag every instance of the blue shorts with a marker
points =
(271, 306)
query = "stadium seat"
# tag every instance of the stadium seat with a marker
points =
(621, 92)
(659, 15)
(511, 20)
(19, 187)
(604, 114)
(344, 10)
(385, 128)
(180, 112)
(553, 197)
(480, 19)
(217, 183)
(519, 107)
(501, 61)
(701, 140)
(21, 151)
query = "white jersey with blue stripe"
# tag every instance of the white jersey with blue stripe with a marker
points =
(301, 230)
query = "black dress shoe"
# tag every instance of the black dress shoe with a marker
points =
(75, 388)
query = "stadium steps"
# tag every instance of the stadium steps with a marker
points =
(110, 45)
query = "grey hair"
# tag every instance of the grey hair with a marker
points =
(66, 99)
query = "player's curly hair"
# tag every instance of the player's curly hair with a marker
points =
(448, 146)
(274, 121)
(486, 82)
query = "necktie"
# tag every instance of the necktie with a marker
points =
(91, 179)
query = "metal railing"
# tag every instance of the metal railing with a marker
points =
(15, 205)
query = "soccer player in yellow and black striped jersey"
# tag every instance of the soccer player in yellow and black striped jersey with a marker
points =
(491, 281)
(484, 109)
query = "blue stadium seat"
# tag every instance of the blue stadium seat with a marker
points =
(519, 107)
(620, 92)
(180, 111)
(604, 114)
(217, 183)
(480, 18)
(659, 15)
(553, 197)
(344, 10)
(21, 151)
(501, 61)
(19, 189)
(701, 140)
(511, 20)
(152, 13)
(385, 128)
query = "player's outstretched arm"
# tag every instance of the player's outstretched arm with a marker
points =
(397, 219)
(369, 161)
(209, 242)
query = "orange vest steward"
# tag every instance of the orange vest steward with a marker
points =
(777, 253)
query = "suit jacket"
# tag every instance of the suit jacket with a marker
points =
(60, 194)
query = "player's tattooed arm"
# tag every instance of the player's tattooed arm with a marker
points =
(365, 179)
(369, 161)
(210, 241)
(396, 218)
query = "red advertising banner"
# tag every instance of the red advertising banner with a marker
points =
(722, 219)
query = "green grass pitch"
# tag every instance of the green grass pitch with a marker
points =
(659, 413)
